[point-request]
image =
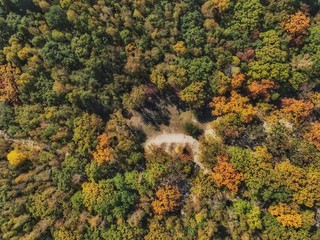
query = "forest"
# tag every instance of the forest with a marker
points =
(85, 85)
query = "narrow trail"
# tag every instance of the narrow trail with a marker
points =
(166, 140)
(26, 142)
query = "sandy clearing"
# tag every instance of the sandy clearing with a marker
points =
(165, 140)
(171, 138)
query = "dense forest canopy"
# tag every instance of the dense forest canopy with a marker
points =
(73, 75)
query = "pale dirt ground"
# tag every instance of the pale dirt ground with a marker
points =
(172, 137)
(169, 142)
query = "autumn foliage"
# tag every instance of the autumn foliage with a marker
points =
(261, 89)
(107, 130)
(180, 48)
(194, 94)
(91, 193)
(314, 135)
(225, 174)
(103, 150)
(8, 88)
(17, 157)
(64, 234)
(296, 110)
(286, 215)
(297, 24)
(304, 183)
(235, 104)
(237, 81)
(209, 8)
(167, 200)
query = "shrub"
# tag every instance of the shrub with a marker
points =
(193, 130)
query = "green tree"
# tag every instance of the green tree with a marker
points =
(86, 130)
(191, 28)
(59, 54)
(111, 198)
(271, 60)
(246, 18)
(194, 94)
(198, 69)
(56, 17)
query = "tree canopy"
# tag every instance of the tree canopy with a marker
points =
(159, 119)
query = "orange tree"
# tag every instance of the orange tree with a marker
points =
(296, 26)
(167, 200)
(261, 89)
(8, 88)
(103, 152)
(313, 136)
(296, 110)
(225, 174)
(235, 104)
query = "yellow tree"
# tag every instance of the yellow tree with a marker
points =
(64, 234)
(180, 48)
(194, 94)
(309, 192)
(91, 194)
(304, 183)
(167, 200)
(287, 216)
(157, 231)
(289, 175)
(17, 157)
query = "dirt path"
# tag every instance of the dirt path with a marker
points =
(172, 138)
(165, 140)
(25, 142)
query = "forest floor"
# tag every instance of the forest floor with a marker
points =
(177, 120)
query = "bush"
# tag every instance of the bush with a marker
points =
(193, 130)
